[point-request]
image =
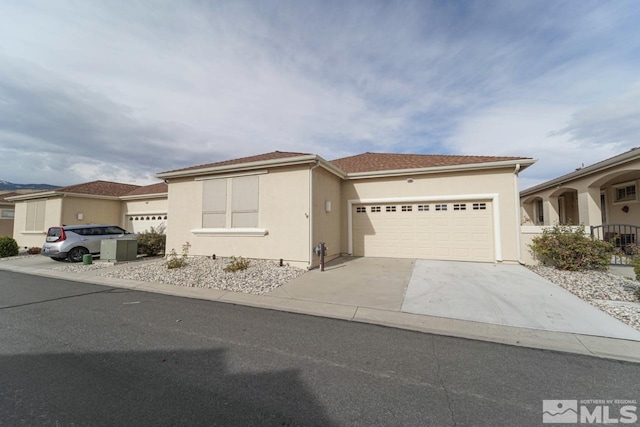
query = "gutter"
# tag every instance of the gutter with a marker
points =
(523, 163)
(62, 194)
(311, 213)
(145, 196)
(516, 192)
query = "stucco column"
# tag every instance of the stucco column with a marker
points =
(589, 206)
(550, 211)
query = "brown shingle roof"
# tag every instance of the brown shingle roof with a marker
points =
(156, 188)
(99, 188)
(373, 162)
(260, 157)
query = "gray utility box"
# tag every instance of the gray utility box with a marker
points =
(118, 249)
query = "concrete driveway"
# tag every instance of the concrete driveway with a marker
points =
(363, 282)
(504, 294)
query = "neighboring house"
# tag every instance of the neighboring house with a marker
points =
(7, 213)
(603, 195)
(96, 202)
(145, 207)
(280, 205)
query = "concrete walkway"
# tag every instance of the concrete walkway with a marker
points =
(366, 305)
(505, 294)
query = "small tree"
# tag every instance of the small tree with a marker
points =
(570, 248)
(8, 247)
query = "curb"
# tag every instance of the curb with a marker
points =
(588, 345)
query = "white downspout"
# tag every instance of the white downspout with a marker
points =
(516, 190)
(311, 213)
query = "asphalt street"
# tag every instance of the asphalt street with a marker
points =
(80, 354)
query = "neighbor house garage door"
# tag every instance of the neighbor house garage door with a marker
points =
(460, 231)
(140, 223)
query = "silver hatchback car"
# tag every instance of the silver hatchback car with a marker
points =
(72, 242)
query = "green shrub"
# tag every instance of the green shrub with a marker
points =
(8, 247)
(34, 250)
(237, 264)
(636, 269)
(173, 261)
(570, 248)
(152, 242)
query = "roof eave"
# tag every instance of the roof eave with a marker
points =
(145, 196)
(61, 194)
(524, 163)
(285, 161)
(33, 196)
(588, 170)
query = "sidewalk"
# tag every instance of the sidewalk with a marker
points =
(344, 309)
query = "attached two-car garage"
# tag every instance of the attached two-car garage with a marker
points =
(461, 230)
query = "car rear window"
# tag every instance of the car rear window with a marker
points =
(54, 232)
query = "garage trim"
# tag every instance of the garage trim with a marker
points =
(494, 197)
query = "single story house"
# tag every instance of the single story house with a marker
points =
(280, 205)
(603, 196)
(133, 207)
(7, 213)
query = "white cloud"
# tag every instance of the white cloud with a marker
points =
(154, 87)
(532, 130)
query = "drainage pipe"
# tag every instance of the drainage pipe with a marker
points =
(516, 193)
(311, 213)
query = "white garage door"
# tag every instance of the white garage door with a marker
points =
(461, 231)
(140, 223)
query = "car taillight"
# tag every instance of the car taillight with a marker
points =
(60, 238)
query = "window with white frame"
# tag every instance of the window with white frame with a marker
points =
(7, 214)
(35, 215)
(230, 202)
(625, 192)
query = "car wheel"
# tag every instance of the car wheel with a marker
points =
(76, 254)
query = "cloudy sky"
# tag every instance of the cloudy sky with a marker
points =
(120, 90)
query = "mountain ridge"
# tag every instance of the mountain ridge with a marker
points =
(11, 186)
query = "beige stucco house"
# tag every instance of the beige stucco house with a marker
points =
(280, 205)
(7, 213)
(133, 207)
(603, 196)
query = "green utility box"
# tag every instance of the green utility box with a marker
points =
(118, 250)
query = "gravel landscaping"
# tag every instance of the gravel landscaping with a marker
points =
(260, 278)
(609, 292)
